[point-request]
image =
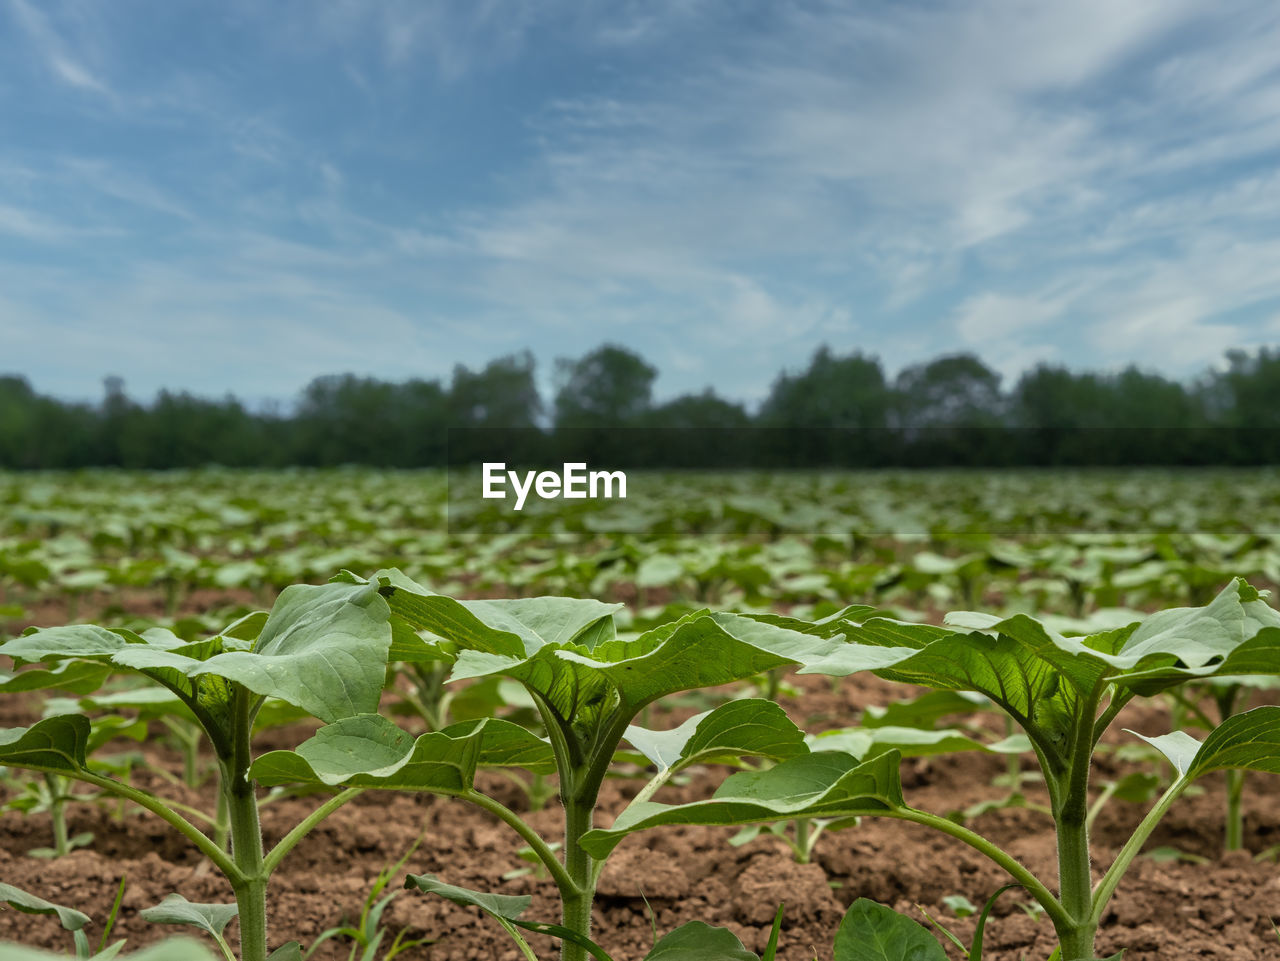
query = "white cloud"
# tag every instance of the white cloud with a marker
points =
(53, 49)
(987, 317)
(1029, 180)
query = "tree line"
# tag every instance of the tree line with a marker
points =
(841, 410)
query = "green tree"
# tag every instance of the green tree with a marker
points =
(840, 392)
(957, 390)
(609, 387)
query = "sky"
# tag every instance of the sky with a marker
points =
(240, 196)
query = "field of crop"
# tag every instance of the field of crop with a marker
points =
(880, 698)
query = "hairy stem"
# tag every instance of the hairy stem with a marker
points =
(58, 813)
(576, 908)
(246, 834)
(1071, 815)
(246, 850)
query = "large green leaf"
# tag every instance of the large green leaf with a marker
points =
(752, 727)
(873, 932)
(563, 649)
(824, 784)
(504, 744)
(1042, 678)
(322, 648)
(514, 627)
(369, 751)
(699, 650)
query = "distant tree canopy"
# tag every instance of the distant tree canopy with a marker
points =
(840, 410)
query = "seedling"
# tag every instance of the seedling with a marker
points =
(1063, 693)
(322, 649)
(367, 936)
(588, 686)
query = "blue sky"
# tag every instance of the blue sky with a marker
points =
(240, 196)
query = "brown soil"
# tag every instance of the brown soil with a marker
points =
(1177, 911)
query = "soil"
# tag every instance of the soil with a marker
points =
(1216, 908)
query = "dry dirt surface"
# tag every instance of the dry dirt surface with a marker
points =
(1220, 908)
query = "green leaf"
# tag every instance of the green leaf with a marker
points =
(322, 648)
(697, 941)
(1042, 678)
(289, 951)
(752, 727)
(69, 918)
(79, 677)
(514, 628)
(563, 649)
(910, 742)
(175, 909)
(507, 745)
(1249, 740)
(367, 750)
(506, 906)
(174, 949)
(873, 932)
(979, 931)
(924, 711)
(53, 744)
(825, 784)
(832, 625)
(699, 650)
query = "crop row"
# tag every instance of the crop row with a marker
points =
(1069, 545)
(330, 651)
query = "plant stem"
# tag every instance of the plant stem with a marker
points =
(58, 813)
(1235, 813)
(304, 827)
(530, 837)
(1043, 896)
(1107, 886)
(162, 811)
(222, 821)
(1071, 817)
(803, 843)
(246, 834)
(576, 908)
(246, 851)
(1075, 888)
